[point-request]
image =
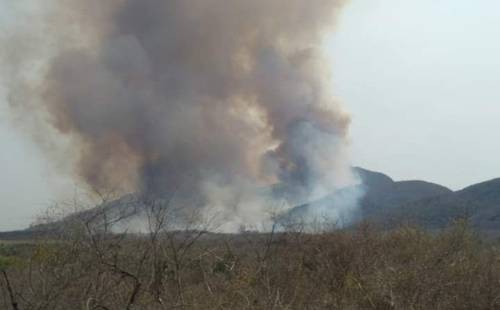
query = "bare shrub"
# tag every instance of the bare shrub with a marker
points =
(91, 264)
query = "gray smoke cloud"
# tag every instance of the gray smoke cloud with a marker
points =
(213, 99)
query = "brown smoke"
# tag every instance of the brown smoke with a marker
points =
(194, 94)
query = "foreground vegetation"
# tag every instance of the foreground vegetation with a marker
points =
(358, 269)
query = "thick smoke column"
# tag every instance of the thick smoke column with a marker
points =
(216, 99)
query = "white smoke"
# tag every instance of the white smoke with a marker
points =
(225, 103)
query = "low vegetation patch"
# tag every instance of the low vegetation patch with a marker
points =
(406, 268)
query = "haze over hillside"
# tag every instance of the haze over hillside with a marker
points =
(430, 205)
(384, 202)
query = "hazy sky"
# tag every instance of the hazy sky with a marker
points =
(421, 78)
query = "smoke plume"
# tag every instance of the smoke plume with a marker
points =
(225, 101)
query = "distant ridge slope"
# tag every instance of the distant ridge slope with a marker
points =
(426, 204)
(383, 194)
(385, 201)
(479, 203)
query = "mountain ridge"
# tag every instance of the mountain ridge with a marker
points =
(389, 202)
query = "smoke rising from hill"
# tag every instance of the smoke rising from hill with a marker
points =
(212, 99)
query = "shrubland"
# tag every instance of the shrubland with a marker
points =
(86, 266)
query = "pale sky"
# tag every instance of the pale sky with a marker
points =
(420, 77)
(422, 80)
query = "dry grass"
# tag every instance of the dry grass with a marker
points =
(359, 269)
